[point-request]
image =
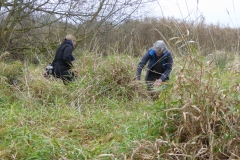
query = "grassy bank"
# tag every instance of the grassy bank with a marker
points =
(102, 115)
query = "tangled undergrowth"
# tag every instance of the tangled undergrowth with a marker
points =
(201, 117)
(106, 114)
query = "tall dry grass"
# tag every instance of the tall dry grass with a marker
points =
(103, 113)
(200, 118)
(135, 36)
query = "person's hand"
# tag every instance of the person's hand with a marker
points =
(158, 83)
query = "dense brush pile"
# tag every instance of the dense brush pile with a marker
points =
(114, 76)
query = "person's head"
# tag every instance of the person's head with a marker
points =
(71, 38)
(159, 47)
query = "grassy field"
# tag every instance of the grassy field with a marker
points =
(103, 115)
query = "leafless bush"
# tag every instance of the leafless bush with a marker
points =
(38, 26)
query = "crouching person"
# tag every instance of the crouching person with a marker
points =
(160, 61)
(62, 63)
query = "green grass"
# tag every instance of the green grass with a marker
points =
(55, 131)
(102, 116)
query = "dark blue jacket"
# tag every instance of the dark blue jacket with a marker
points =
(63, 58)
(150, 57)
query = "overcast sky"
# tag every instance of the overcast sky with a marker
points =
(224, 12)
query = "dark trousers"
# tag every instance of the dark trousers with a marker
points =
(150, 79)
(66, 76)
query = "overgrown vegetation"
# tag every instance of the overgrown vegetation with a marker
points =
(102, 115)
(199, 114)
(105, 113)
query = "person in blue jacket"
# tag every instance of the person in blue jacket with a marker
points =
(160, 63)
(62, 63)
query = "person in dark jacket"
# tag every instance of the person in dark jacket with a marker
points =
(62, 63)
(160, 62)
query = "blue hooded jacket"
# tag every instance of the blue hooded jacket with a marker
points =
(150, 57)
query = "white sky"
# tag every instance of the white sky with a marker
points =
(224, 12)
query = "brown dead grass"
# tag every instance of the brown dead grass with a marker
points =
(205, 122)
